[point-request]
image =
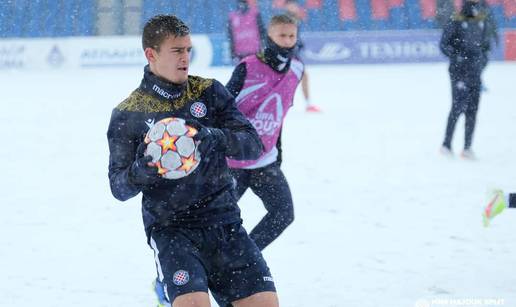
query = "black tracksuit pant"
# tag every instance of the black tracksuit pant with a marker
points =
(465, 100)
(512, 200)
(271, 186)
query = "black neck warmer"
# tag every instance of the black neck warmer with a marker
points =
(159, 87)
(277, 57)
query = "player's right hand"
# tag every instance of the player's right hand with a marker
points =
(141, 172)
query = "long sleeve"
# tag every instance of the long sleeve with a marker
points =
(447, 43)
(243, 142)
(231, 40)
(122, 149)
(490, 33)
(236, 83)
(262, 30)
(279, 158)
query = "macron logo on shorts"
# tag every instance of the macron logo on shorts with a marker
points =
(268, 278)
(180, 278)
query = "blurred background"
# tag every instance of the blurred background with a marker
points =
(382, 220)
(48, 33)
(55, 18)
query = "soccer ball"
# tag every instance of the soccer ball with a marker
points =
(172, 148)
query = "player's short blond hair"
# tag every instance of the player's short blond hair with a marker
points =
(282, 19)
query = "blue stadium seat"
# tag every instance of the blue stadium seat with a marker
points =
(428, 24)
(182, 10)
(413, 11)
(196, 16)
(166, 7)
(225, 8)
(314, 21)
(44, 18)
(6, 21)
(510, 22)
(499, 15)
(50, 18)
(149, 9)
(351, 25)
(214, 17)
(398, 18)
(34, 9)
(68, 15)
(330, 16)
(20, 15)
(86, 18)
(364, 14)
(267, 11)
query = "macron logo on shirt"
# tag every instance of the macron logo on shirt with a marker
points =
(164, 93)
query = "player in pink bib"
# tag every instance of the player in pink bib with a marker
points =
(264, 85)
(245, 31)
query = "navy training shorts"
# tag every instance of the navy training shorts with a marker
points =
(222, 259)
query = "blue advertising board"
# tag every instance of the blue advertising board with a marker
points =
(362, 47)
(375, 47)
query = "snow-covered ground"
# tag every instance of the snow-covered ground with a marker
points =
(381, 218)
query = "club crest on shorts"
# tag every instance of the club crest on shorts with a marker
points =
(180, 278)
(198, 109)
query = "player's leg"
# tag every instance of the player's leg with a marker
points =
(271, 186)
(241, 177)
(195, 299)
(458, 96)
(180, 266)
(240, 276)
(472, 100)
(512, 200)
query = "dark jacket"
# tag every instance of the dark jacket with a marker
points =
(203, 198)
(466, 43)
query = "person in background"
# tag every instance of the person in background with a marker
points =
(246, 31)
(193, 224)
(264, 85)
(465, 42)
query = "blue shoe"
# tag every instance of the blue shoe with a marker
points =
(159, 290)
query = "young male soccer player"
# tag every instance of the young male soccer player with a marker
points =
(193, 224)
(264, 85)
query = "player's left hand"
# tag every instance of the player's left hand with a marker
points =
(209, 138)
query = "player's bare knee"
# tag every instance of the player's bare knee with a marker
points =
(195, 299)
(262, 299)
